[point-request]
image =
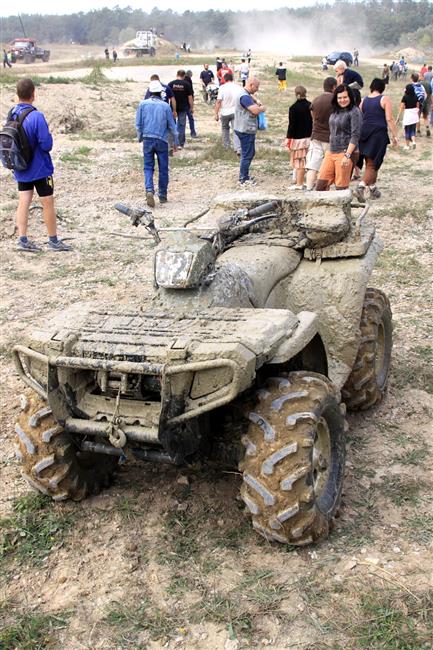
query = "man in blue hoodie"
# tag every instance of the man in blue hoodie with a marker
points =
(153, 122)
(38, 175)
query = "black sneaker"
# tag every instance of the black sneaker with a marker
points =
(163, 199)
(150, 199)
(427, 132)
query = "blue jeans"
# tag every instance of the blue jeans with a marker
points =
(152, 147)
(248, 151)
(191, 122)
(181, 124)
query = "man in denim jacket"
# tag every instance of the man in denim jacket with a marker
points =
(154, 120)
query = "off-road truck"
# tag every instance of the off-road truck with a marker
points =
(26, 50)
(260, 320)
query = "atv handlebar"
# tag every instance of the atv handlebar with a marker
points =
(140, 216)
(263, 209)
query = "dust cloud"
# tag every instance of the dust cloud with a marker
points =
(317, 35)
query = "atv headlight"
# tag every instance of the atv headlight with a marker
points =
(172, 268)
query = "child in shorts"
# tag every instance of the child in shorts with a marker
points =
(38, 175)
(410, 108)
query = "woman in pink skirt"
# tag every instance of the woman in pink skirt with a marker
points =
(299, 134)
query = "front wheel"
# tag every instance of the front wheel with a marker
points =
(52, 462)
(293, 467)
(367, 382)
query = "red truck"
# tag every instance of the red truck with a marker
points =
(26, 50)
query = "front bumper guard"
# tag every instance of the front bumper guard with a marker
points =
(222, 396)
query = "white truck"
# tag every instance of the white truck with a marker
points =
(144, 43)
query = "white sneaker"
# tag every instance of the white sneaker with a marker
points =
(413, 145)
(406, 147)
(295, 187)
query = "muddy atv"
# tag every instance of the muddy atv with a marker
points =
(260, 321)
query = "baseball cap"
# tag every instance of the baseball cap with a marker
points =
(155, 87)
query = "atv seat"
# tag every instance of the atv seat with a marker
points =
(265, 266)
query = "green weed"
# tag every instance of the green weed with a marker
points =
(145, 617)
(29, 630)
(35, 527)
(180, 543)
(402, 491)
(77, 156)
(419, 528)
(392, 620)
(96, 77)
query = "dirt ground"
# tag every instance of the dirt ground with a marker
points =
(166, 557)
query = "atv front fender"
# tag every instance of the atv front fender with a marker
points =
(306, 330)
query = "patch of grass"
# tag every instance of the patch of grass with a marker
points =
(235, 538)
(78, 155)
(425, 155)
(58, 80)
(393, 620)
(124, 133)
(366, 615)
(214, 152)
(237, 610)
(180, 583)
(306, 59)
(419, 528)
(402, 490)
(127, 509)
(181, 544)
(35, 527)
(110, 282)
(147, 617)
(415, 456)
(29, 630)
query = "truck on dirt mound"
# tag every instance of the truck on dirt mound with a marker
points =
(261, 330)
(25, 50)
(143, 45)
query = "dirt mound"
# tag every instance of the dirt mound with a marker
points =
(411, 54)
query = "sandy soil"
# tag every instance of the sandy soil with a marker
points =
(166, 557)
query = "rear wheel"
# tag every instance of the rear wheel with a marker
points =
(294, 458)
(369, 377)
(52, 463)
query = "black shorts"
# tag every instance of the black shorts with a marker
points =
(43, 186)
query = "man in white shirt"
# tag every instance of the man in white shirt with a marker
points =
(225, 111)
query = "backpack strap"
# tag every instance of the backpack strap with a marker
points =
(22, 116)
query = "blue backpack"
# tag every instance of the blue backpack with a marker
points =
(15, 150)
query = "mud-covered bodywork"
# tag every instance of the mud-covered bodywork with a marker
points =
(151, 372)
(242, 288)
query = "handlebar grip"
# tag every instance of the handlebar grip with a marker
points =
(123, 209)
(271, 206)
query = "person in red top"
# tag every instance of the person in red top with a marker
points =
(223, 71)
(423, 70)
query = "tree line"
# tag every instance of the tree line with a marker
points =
(386, 23)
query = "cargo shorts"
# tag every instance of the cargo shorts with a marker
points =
(315, 155)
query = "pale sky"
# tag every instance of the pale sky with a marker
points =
(74, 6)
